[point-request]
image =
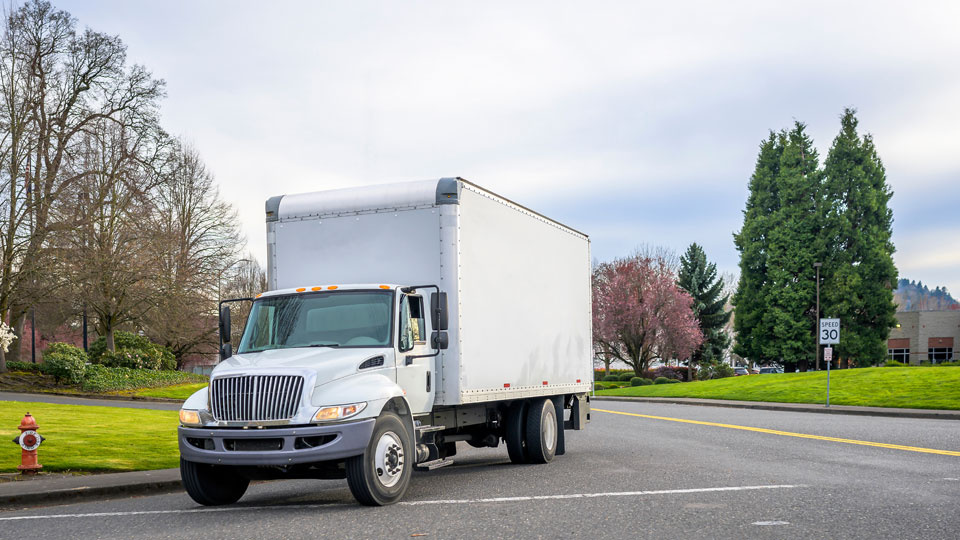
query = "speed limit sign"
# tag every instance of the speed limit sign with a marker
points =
(829, 331)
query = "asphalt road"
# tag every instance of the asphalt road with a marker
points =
(624, 477)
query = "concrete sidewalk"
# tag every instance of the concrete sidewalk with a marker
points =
(63, 489)
(113, 401)
(794, 407)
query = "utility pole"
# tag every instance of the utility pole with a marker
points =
(816, 318)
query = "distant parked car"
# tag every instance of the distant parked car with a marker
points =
(740, 370)
(771, 370)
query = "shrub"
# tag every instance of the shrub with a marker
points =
(664, 380)
(672, 381)
(598, 386)
(611, 378)
(24, 366)
(640, 381)
(104, 379)
(715, 371)
(627, 375)
(65, 362)
(133, 351)
(894, 363)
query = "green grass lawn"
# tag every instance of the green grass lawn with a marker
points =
(87, 439)
(906, 387)
(179, 391)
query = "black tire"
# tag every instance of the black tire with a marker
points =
(514, 432)
(541, 432)
(374, 485)
(212, 485)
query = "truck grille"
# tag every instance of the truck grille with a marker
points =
(254, 398)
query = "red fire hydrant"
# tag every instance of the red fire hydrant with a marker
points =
(28, 440)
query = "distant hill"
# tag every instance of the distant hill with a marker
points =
(915, 296)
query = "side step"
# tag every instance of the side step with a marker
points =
(432, 465)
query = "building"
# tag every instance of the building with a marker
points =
(924, 336)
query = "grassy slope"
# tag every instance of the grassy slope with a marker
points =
(907, 387)
(84, 438)
(179, 391)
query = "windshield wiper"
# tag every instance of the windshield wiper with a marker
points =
(324, 345)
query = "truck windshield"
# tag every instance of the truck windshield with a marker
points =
(326, 319)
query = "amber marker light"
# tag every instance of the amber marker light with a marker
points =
(384, 286)
(301, 289)
(332, 287)
(189, 418)
(316, 288)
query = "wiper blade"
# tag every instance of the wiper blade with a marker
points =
(324, 345)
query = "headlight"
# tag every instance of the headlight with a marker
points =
(338, 412)
(189, 418)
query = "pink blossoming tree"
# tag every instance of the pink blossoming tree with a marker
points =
(640, 314)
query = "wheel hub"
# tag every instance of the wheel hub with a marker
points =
(389, 459)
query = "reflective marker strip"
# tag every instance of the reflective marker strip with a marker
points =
(792, 434)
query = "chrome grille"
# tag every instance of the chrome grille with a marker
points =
(254, 398)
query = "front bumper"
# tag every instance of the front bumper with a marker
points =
(275, 446)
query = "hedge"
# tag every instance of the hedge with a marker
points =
(105, 379)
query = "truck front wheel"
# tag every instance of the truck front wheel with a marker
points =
(212, 485)
(382, 474)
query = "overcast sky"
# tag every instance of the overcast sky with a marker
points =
(635, 123)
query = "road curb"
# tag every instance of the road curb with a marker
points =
(66, 490)
(791, 407)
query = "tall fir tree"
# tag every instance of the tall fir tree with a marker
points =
(859, 274)
(699, 278)
(795, 244)
(752, 242)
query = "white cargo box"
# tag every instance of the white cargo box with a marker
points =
(518, 283)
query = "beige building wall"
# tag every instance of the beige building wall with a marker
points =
(920, 331)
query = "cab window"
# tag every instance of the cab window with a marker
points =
(413, 327)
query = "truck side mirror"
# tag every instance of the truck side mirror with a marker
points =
(225, 324)
(438, 311)
(441, 340)
(226, 351)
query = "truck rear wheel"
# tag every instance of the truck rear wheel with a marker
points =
(541, 431)
(382, 474)
(515, 432)
(212, 485)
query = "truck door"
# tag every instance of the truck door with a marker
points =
(415, 375)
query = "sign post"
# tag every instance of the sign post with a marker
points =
(829, 335)
(828, 358)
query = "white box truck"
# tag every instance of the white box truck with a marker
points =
(401, 320)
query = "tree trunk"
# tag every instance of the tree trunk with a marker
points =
(111, 345)
(802, 365)
(18, 320)
(3, 361)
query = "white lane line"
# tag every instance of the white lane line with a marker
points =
(591, 495)
(770, 523)
(402, 503)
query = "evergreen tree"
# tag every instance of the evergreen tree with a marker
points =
(795, 244)
(859, 274)
(752, 242)
(699, 278)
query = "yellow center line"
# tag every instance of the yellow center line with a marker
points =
(791, 434)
